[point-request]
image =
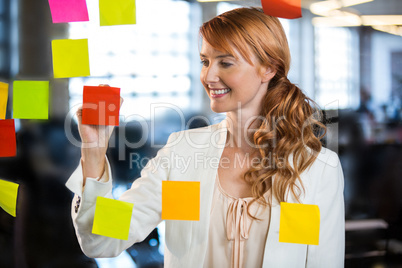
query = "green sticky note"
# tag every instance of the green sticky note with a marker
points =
(299, 223)
(31, 99)
(116, 12)
(70, 58)
(8, 197)
(112, 218)
(3, 99)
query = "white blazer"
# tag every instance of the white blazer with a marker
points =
(186, 241)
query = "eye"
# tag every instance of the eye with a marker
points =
(204, 62)
(226, 64)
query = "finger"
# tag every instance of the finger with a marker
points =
(110, 131)
(121, 101)
(79, 111)
(104, 85)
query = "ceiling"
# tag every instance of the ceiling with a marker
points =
(376, 7)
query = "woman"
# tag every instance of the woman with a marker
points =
(268, 153)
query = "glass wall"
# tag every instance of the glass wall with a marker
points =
(347, 57)
(151, 61)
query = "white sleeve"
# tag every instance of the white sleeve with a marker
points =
(331, 249)
(145, 194)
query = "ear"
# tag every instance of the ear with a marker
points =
(267, 74)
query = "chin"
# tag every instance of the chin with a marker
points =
(218, 109)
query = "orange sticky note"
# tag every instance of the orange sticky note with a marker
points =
(3, 99)
(181, 200)
(288, 9)
(299, 223)
(112, 218)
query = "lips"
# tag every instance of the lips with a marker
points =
(219, 92)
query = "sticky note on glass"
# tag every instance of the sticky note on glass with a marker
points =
(8, 196)
(299, 224)
(31, 99)
(101, 106)
(70, 58)
(3, 99)
(116, 12)
(68, 10)
(8, 144)
(288, 9)
(112, 218)
(181, 200)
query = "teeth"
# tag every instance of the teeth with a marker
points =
(221, 91)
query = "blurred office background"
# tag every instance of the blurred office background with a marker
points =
(346, 55)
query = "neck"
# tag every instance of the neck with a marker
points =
(241, 124)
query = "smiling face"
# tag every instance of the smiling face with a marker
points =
(230, 79)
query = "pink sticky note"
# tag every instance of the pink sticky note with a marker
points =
(68, 10)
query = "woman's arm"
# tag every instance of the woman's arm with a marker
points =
(145, 194)
(331, 249)
(93, 178)
(95, 141)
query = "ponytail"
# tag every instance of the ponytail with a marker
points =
(290, 124)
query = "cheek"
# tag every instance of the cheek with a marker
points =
(203, 73)
(202, 76)
(203, 83)
(235, 81)
(245, 82)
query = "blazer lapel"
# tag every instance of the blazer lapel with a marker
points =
(188, 240)
(207, 180)
(278, 254)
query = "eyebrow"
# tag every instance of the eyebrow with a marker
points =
(218, 57)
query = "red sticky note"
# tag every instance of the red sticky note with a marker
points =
(8, 145)
(68, 10)
(101, 106)
(288, 9)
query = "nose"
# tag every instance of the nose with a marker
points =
(209, 75)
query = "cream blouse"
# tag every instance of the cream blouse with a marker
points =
(235, 239)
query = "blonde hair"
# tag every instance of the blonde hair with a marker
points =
(290, 123)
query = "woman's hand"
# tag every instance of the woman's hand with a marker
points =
(95, 140)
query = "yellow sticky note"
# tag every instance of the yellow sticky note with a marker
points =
(299, 224)
(181, 200)
(116, 12)
(8, 196)
(70, 58)
(112, 218)
(3, 99)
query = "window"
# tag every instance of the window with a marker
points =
(4, 39)
(223, 7)
(149, 61)
(336, 68)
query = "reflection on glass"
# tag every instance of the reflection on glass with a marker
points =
(149, 61)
